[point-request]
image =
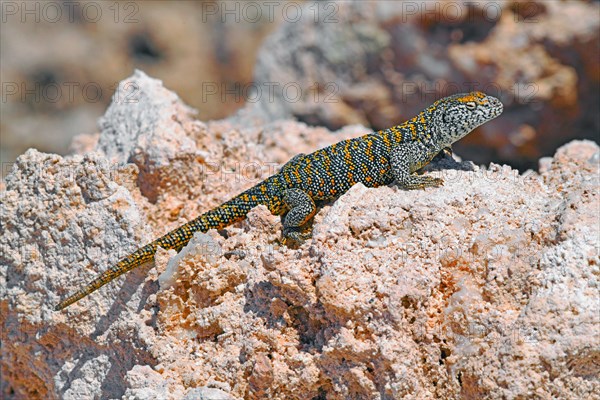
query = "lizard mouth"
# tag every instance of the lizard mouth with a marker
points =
(497, 106)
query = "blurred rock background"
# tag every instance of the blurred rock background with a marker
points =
(328, 63)
(61, 61)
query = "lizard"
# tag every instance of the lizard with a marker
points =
(393, 155)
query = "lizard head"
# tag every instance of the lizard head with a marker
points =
(459, 114)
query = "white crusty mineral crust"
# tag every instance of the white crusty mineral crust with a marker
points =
(484, 288)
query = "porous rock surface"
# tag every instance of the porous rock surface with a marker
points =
(486, 287)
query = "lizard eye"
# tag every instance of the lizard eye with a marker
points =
(446, 118)
(471, 105)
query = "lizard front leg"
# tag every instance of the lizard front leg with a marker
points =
(404, 159)
(301, 209)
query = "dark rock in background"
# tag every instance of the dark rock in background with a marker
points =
(337, 63)
(382, 62)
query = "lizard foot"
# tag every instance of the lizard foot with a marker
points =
(294, 238)
(421, 182)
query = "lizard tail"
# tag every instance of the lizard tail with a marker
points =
(224, 215)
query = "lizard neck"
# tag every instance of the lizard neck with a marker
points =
(422, 129)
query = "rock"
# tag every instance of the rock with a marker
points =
(540, 58)
(338, 63)
(484, 288)
(204, 51)
(204, 393)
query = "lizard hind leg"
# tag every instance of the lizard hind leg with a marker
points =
(301, 211)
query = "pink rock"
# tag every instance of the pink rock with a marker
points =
(484, 288)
